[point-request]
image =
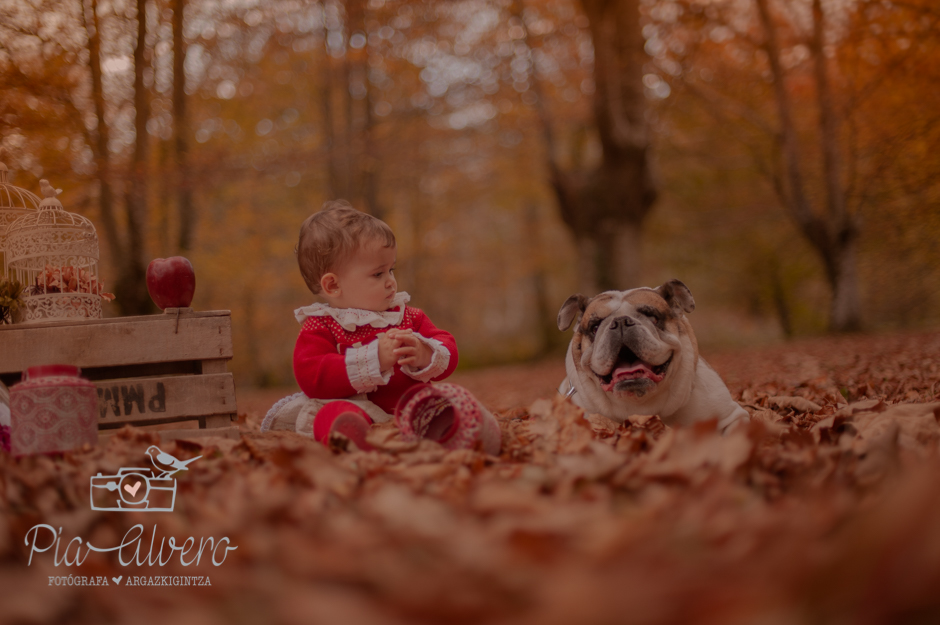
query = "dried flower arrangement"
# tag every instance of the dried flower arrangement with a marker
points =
(10, 291)
(68, 279)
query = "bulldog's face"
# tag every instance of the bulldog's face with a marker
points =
(631, 345)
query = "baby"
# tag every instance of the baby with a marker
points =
(365, 345)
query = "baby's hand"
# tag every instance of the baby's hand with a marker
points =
(387, 345)
(412, 351)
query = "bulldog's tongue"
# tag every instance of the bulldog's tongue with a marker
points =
(629, 372)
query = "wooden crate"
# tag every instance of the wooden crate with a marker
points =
(150, 370)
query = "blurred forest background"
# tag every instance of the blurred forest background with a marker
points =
(778, 156)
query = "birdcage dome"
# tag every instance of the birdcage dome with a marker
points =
(14, 203)
(54, 254)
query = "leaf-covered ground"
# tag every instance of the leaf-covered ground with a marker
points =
(825, 509)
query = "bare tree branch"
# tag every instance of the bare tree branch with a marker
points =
(829, 133)
(100, 145)
(798, 204)
(184, 199)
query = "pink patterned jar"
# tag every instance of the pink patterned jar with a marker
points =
(4, 418)
(448, 414)
(52, 409)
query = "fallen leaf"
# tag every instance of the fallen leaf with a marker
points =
(796, 403)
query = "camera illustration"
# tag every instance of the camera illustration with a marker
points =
(133, 488)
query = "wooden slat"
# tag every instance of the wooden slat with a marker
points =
(217, 421)
(215, 366)
(118, 341)
(171, 435)
(164, 399)
(184, 312)
(148, 370)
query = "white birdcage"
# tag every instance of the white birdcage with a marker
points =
(54, 255)
(14, 203)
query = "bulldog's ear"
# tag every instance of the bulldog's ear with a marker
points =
(677, 295)
(572, 308)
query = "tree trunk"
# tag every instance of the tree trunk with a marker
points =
(131, 288)
(335, 187)
(546, 314)
(252, 350)
(164, 200)
(828, 125)
(100, 145)
(795, 195)
(184, 198)
(369, 163)
(363, 165)
(623, 188)
(627, 240)
(605, 209)
(587, 266)
(846, 309)
(833, 237)
(779, 296)
(845, 312)
(350, 144)
(412, 274)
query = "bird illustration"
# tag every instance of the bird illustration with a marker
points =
(47, 189)
(165, 463)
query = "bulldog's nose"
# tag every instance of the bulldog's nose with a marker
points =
(622, 322)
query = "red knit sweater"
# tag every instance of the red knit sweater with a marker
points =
(320, 358)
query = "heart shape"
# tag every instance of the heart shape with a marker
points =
(132, 491)
(117, 580)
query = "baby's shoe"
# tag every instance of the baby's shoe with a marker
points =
(448, 414)
(342, 417)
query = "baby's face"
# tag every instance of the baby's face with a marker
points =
(367, 280)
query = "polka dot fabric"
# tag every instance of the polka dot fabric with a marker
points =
(362, 335)
(351, 318)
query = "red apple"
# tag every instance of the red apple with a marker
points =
(171, 282)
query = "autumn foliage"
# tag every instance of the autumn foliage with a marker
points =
(791, 143)
(464, 123)
(818, 510)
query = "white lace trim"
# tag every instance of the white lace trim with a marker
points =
(352, 318)
(440, 359)
(363, 368)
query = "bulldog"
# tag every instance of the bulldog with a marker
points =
(634, 353)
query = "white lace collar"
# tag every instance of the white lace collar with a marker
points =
(352, 318)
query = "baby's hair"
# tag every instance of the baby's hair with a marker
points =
(330, 236)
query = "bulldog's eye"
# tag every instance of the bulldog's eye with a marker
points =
(653, 314)
(592, 328)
